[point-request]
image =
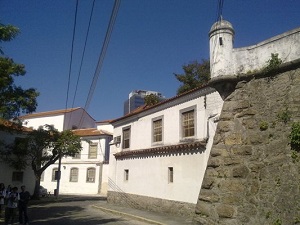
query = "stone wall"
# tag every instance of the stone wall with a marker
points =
(253, 176)
(151, 204)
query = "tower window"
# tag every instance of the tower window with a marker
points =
(221, 41)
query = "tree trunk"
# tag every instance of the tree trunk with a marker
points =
(36, 194)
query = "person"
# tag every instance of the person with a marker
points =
(12, 204)
(2, 197)
(23, 205)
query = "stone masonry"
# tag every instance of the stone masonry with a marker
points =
(253, 176)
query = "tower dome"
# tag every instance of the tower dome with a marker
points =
(221, 25)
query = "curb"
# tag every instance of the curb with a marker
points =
(127, 215)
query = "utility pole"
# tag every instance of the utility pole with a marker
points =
(58, 175)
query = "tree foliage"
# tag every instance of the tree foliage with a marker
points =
(13, 99)
(195, 74)
(151, 99)
(39, 149)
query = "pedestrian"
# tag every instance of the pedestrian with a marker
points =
(8, 190)
(23, 205)
(12, 204)
(2, 197)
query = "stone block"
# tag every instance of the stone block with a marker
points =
(225, 211)
(207, 183)
(240, 171)
(214, 162)
(208, 196)
(233, 139)
(242, 150)
(203, 208)
(232, 185)
(232, 161)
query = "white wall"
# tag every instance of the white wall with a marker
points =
(6, 171)
(148, 176)
(226, 60)
(35, 123)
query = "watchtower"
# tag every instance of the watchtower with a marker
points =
(221, 36)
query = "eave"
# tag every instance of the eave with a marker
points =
(198, 146)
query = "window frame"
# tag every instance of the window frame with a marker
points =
(154, 129)
(90, 156)
(182, 126)
(17, 176)
(72, 175)
(87, 175)
(77, 156)
(170, 174)
(54, 171)
(126, 175)
(126, 145)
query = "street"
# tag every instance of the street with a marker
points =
(75, 213)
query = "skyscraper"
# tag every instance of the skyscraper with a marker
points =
(136, 99)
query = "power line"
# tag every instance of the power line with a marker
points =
(82, 57)
(103, 52)
(71, 57)
(102, 55)
(83, 53)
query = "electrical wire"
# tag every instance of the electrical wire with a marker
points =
(82, 57)
(71, 57)
(102, 55)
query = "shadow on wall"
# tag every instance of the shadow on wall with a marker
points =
(121, 198)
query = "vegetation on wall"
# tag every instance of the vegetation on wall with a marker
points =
(273, 63)
(295, 136)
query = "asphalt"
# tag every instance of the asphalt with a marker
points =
(100, 203)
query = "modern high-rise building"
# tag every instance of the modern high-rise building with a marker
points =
(136, 99)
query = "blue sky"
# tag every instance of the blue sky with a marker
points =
(151, 40)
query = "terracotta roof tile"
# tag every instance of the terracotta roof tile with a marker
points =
(48, 113)
(13, 126)
(90, 132)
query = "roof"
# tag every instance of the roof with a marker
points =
(147, 107)
(49, 113)
(8, 125)
(90, 132)
(199, 145)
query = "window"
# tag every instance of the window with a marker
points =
(126, 138)
(188, 125)
(90, 175)
(93, 151)
(170, 175)
(42, 176)
(77, 156)
(74, 175)
(17, 176)
(126, 175)
(157, 130)
(54, 174)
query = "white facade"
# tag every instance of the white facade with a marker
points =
(68, 119)
(91, 133)
(96, 184)
(25, 177)
(135, 171)
(226, 60)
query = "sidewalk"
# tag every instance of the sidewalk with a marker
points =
(143, 215)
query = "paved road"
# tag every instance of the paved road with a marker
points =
(75, 213)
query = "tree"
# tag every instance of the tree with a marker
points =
(13, 99)
(39, 149)
(151, 99)
(195, 74)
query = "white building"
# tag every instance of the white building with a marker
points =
(9, 175)
(159, 154)
(87, 172)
